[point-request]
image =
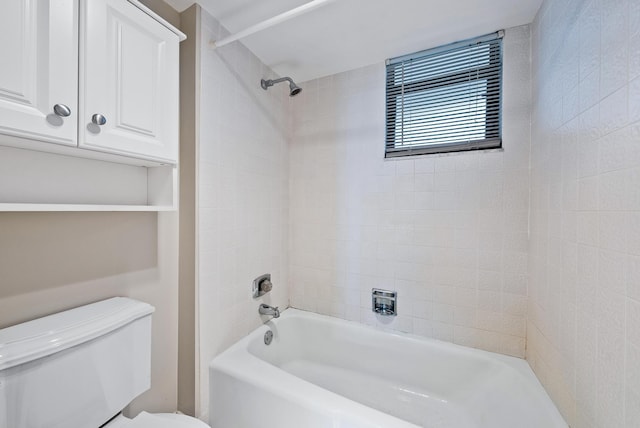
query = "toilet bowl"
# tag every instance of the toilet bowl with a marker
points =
(156, 420)
(80, 368)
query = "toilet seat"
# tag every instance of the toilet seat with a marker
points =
(157, 420)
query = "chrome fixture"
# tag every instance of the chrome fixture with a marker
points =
(268, 337)
(98, 119)
(384, 302)
(265, 309)
(293, 88)
(262, 285)
(62, 110)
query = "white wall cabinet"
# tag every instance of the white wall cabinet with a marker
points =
(91, 79)
(39, 57)
(129, 76)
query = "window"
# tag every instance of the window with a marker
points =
(445, 99)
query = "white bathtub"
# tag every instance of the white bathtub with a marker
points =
(328, 373)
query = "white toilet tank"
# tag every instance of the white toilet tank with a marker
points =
(75, 369)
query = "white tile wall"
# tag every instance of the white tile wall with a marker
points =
(448, 232)
(582, 336)
(242, 195)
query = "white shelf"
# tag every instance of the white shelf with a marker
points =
(82, 207)
(38, 181)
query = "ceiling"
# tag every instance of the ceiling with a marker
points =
(348, 34)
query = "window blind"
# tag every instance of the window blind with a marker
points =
(445, 99)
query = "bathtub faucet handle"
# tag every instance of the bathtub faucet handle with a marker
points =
(261, 285)
(265, 285)
(265, 309)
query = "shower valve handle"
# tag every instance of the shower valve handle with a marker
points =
(265, 285)
(261, 285)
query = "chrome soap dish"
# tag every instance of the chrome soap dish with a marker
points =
(384, 302)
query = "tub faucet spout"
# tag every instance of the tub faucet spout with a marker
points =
(269, 310)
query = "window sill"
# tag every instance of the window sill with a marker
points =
(438, 155)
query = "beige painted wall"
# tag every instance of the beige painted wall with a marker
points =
(164, 10)
(56, 261)
(189, 99)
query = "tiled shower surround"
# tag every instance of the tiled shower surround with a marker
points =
(531, 250)
(449, 232)
(583, 336)
(242, 177)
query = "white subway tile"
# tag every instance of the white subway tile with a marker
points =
(633, 322)
(424, 226)
(614, 230)
(634, 97)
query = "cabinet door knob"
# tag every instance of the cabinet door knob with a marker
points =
(62, 110)
(98, 119)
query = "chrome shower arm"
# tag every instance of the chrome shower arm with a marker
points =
(293, 88)
(272, 82)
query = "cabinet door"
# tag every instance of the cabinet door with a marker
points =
(129, 82)
(39, 69)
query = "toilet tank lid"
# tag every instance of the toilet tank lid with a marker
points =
(35, 339)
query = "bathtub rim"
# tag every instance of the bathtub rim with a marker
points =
(230, 360)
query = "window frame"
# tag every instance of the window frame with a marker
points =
(493, 110)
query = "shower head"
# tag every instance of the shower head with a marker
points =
(293, 88)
